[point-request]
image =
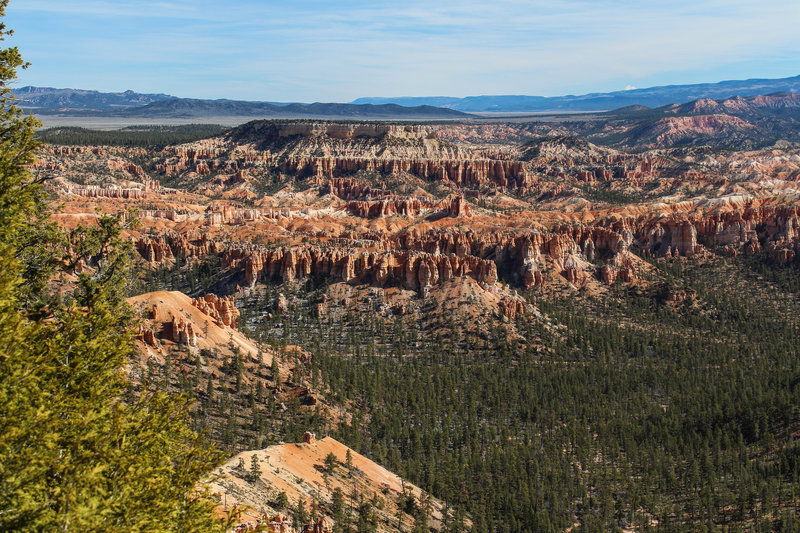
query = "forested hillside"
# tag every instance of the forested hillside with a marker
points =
(673, 406)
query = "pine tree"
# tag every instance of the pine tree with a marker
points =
(73, 455)
(337, 506)
(276, 371)
(255, 469)
(330, 462)
(367, 518)
(300, 514)
(348, 460)
(282, 501)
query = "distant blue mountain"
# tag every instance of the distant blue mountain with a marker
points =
(128, 104)
(651, 97)
(49, 97)
(47, 100)
(187, 108)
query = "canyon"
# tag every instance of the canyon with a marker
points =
(393, 239)
(416, 207)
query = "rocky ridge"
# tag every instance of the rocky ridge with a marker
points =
(513, 215)
(299, 471)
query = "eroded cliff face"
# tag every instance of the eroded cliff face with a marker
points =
(161, 247)
(170, 317)
(221, 308)
(412, 270)
(418, 258)
(318, 151)
(551, 167)
(478, 208)
(466, 173)
(411, 206)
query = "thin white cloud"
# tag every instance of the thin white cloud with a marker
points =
(341, 50)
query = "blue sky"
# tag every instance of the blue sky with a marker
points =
(341, 50)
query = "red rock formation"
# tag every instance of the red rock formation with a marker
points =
(156, 249)
(457, 207)
(413, 270)
(270, 524)
(221, 308)
(404, 206)
(460, 172)
(146, 335)
(182, 332)
(351, 189)
(608, 274)
(202, 169)
(419, 260)
(93, 191)
(174, 329)
(531, 275)
(135, 170)
(454, 206)
(670, 236)
(322, 525)
(511, 308)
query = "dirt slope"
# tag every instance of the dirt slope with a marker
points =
(299, 471)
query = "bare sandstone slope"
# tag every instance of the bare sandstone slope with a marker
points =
(205, 323)
(299, 470)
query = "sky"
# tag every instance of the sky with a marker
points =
(336, 51)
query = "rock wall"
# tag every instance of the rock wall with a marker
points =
(453, 206)
(412, 270)
(159, 248)
(221, 308)
(468, 173)
(94, 191)
(417, 259)
(352, 130)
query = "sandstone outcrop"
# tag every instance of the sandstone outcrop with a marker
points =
(292, 467)
(417, 260)
(539, 217)
(413, 270)
(221, 308)
(408, 206)
(453, 206)
(511, 308)
(470, 173)
(159, 248)
(94, 191)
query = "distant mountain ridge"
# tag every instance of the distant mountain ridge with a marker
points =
(649, 97)
(129, 104)
(52, 98)
(186, 108)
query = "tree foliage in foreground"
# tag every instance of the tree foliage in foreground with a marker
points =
(75, 456)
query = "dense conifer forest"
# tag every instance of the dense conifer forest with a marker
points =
(143, 136)
(670, 404)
